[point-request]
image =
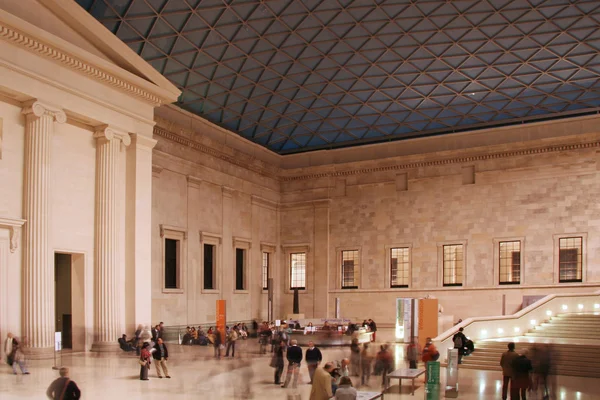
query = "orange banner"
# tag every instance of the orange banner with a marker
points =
(221, 318)
(427, 320)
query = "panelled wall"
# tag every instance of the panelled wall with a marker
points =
(477, 227)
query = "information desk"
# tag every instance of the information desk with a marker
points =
(405, 373)
(369, 395)
(329, 338)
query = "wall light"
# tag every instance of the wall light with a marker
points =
(483, 332)
(533, 322)
(517, 329)
(596, 306)
(549, 313)
(580, 306)
(500, 330)
(565, 307)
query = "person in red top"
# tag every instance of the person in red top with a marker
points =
(384, 362)
(63, 388)
(145, 361)
(430, 353)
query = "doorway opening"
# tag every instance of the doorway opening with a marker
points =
(69, 299)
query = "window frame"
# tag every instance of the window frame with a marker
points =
(271, 250)
(288, 250)
(441, 246)
(169, 232)
(340, 267)
(246, 245)
(557, 239)
(496, 251)
(216, 240)
(388, 264)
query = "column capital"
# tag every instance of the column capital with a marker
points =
(143, 141)
(40, 109)
(105, 132)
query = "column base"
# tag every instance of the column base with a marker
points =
(106, 347)
(39, 353)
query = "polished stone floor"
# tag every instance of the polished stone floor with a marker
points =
(196, 374)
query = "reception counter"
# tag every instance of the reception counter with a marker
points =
(330, 337)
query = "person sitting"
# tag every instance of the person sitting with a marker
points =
(124, 344)
(210, 335)
(345, 391)
(187, 337)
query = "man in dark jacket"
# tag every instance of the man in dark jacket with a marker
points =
(520, 380)
(313, 358)
(373, 328)
(161, 354)
(460, 340)
(63, 387)
(294, 357)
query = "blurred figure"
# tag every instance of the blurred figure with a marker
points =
(412, 353)
(345, 391)
(384, 363)
(430, 353)
(355, 357)
(145, 361)
(541, 359)
(8, 344)
(366, 361)
(138, 339)
(322, 383)
(277, 361)
(506, 362)
(18, 357)
(460, 340)
(218, 340)
(520, 379)
(63, 387)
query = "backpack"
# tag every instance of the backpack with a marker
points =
(458, 342)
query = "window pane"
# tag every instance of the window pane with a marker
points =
(209, 266)
(265, 271)
(510, 262)
(171, 253)
(400, 264)
(350, 269)
(570, 259)
(298, 270)
(453, 265)
(239, 269)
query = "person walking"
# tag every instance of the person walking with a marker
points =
(366, 361)
(521, 367)
(412, 353)
(63, 388)
(294, 357)
(277, 361)
(217, 343)
(145, 361)
(506, 362)
(385, 361)
(8, 344)
(161, 355)
(313, 358)
(460, 340)
(233, 337)
(18, 357)
(355, 357)
(322, 383)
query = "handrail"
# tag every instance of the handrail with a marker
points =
(478, 328)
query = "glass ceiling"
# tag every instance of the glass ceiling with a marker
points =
(300, 75)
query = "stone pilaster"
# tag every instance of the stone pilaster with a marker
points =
(38, 270)
(108, 321)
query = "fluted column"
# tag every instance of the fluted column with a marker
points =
(38, 267)
(108, 323)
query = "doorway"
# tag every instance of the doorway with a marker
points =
(63, 298)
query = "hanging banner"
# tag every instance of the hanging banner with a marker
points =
(221, 318)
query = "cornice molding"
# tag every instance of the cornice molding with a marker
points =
(142, 141)
(193, 181)
(232, 159)
(156, 170)
(33, 45)
(227, 191)
(445, 161)
(262, 202)
(14, 227)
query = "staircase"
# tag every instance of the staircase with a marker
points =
(574, 338)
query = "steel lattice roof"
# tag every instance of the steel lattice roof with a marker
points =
(297, 75)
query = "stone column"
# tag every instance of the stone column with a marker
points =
(38, 266)
(108, 321)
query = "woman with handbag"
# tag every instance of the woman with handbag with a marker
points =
(145, 361)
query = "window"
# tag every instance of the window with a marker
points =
(240, 266)
(510, 262)
(298, 271)
(570, 250)
(265, 270)
(350, 269)
(399, 267)
(453, 264)
(172, 263)
(209, 266)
